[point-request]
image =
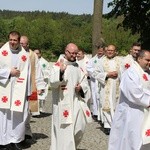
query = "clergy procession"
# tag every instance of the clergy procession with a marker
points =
(110, 90)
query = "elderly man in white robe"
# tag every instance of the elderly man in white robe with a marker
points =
(70, 110)
(14, 89)
(107, 73)
(128, 121)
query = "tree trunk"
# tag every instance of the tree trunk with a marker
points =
(97, 26)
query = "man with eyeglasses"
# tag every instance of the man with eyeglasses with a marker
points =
(69, 93)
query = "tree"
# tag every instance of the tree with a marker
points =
(118, 36)
(97, 25)
(136, 17)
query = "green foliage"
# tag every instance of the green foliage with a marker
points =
(136, 17)
(117, 36)
(51, 32)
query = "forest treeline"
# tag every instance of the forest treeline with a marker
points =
(51, 32)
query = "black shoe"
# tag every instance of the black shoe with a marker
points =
(28, 137)
(107, 131)
(15, 146)
(94, 117)
(3, 147)
(24, 144)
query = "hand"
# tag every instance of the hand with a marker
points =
(62, 65)
(39, 92)
(113, 74)
(77, 88)
(14, 72)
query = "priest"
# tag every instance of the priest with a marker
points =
(70, 96)
(14, 89)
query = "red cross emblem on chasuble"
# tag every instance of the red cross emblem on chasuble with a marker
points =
(65, 113)
(147, 133)
(4, 53)
(4, 99)
(127, 65)
(24, 58)
(87, 113)
(145, 77)
(17, 102)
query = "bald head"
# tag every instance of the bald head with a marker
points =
(111, 51)
(72, 47)
(24, 41)
(71, 51)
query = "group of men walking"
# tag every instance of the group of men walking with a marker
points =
(103, 73)
(123, 97)
(112, 89)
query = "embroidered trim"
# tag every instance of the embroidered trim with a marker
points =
(107, 68)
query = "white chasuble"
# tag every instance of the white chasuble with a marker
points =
(126, 62)
(128, 121)
(111, 85)
(13, 100)
(45, 68)
(68, 119)
(145, 80)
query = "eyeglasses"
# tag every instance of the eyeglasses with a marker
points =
(71, 53)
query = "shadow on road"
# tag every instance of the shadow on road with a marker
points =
(37, 136)
(42, 115)
(34, 140)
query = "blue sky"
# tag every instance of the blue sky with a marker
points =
(70, 6)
